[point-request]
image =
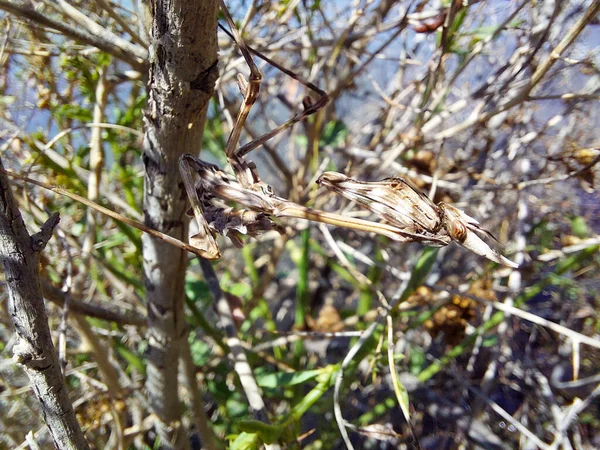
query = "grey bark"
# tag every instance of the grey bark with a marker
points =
(34, 350)
(182, 76)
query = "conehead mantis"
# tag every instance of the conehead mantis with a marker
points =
(409, 214)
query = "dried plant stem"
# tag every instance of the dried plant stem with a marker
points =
(337, 408)
(510, 419)
(34, 349)
(95, 29)
(109, 371)
(477, 49)
(525, 315)
(241, 366)
(571, 414)
(57, 297)
(95, 176)
(197, 404)
(359, 276)
(538, 75)
(106, 6)
(97, 40)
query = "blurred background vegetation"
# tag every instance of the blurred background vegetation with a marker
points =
(476, 102)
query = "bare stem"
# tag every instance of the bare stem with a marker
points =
(34, 349)
(241, 365)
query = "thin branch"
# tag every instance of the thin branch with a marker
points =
(560, 329)
(571, 414)
(98, 41)
(57, 296)
(538, 75)
(96, 30)
(574, 173)
(104, 4)
(337, 409)
(201, 420)
(510, 419)
(96, 168)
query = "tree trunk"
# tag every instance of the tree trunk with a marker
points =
(182, 76)
(34, 350)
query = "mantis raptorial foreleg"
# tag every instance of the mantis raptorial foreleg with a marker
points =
(204, 240)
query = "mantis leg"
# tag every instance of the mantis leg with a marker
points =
(250, 91)
(204, 241)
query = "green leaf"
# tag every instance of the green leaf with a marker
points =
(201, 351)
(334, 134)
(485, 32)
(74, 112)
(245, 441)
(130, 234)
(401, 393)
(302, 289)
(579, 227)
(490, 341)
(542, 233)
(279, 379)
(243, 290)
(267, 433)
(237, 406)
(420, 271)
(197, 290)
(417, 360)
(325, 380)
(132, 359)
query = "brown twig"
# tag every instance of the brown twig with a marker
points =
(56, 296)
(241, 365)
(99, 41)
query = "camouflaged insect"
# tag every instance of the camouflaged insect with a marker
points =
(206, 186)
(408, 214)
(400, 203)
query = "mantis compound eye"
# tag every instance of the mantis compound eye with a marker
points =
(453, 224)
(267, 189)
(456, 229)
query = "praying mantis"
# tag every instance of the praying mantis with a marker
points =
(410, 216)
